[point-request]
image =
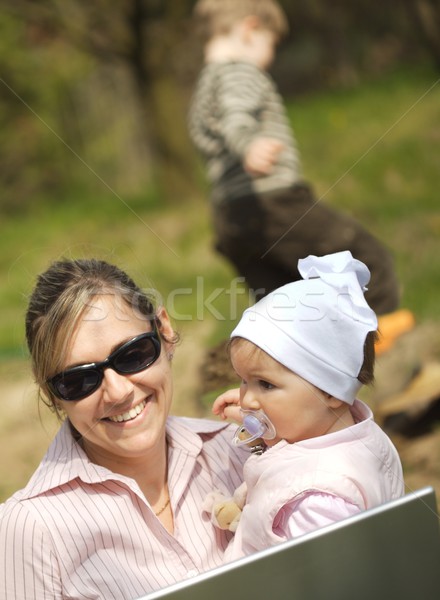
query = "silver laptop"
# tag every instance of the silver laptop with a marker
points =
(391, 552)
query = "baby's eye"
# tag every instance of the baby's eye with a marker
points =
(266, 384)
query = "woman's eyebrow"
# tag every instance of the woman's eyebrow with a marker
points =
(121, 343)
(93, 362)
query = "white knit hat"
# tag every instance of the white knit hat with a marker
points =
(316, 327)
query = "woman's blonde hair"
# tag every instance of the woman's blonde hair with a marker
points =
(60, 297)
(217, 17)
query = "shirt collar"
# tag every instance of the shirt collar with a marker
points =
(65, 460)
(188, 434)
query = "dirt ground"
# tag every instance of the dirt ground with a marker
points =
(405, 400)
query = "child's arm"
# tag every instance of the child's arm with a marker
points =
(261, 155)
(241, 96)
(311, 512)
(227, 405)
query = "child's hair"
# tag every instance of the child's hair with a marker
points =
(366, 373)
(217, 17)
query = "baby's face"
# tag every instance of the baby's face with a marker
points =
(297, 409)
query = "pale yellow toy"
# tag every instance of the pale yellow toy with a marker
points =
(226, 511)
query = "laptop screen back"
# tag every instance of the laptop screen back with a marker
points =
(390, 552)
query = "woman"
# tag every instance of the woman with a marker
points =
(114, 509)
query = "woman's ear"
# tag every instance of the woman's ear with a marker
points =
(165, 328)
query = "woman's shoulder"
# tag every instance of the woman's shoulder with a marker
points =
(16, 516)
(213, 436)
(198, 425)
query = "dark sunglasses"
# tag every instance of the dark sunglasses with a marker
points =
(81, 381)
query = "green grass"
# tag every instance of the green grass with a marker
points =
(167, 249)
(373, 151)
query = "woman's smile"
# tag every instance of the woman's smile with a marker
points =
(128, 416)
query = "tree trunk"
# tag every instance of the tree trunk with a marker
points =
(426, 14)
(152, 62)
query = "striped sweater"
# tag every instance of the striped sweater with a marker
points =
(234, 103)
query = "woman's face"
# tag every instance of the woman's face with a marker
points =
(104, 326)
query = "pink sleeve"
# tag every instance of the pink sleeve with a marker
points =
(313, 511)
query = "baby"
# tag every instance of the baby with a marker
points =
(302, 354)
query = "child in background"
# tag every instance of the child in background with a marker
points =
(265, 215)
(302, 353)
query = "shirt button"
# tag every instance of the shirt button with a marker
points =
(192, 573)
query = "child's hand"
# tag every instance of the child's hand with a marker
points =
(227, 405)
(261, 155)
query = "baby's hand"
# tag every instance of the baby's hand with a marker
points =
(261, 155)
(227, 405)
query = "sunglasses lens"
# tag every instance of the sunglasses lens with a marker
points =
(137, 355)
(77, 385)
(134, 356)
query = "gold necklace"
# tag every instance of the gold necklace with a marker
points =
(159, 512)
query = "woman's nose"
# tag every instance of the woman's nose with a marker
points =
(117, 387)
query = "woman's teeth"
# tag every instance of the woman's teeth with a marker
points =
(129, 415)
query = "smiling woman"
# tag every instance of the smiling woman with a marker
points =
(114, 509)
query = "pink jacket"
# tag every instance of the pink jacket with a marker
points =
(358, 464)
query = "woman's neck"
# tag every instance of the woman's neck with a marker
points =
(149, 471)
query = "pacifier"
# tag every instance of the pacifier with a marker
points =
(256, 426)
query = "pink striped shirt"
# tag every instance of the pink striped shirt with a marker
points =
(78, 530)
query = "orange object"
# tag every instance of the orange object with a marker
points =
(391, 326)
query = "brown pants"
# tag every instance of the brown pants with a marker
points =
(265, 236)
